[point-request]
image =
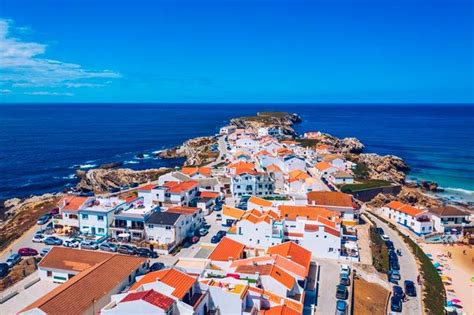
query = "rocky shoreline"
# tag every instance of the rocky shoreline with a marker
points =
(199, 151)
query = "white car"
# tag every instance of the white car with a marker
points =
(345, 269)
(38, 238)
(71, 243)
(385, 237)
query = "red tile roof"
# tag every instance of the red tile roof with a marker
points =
(93, 284)
(404, 208)
(331, 198)
(183, 210)
(72, 203)
(183, 187)
(227, 248)
(209, 194)
(71, 259)
(206, 171)
(310, 212)
(151, 296)
(180, 281)
(260, 201)
(280, 310)
(147, 187)
(298, 253)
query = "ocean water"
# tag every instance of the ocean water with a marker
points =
(41, 145)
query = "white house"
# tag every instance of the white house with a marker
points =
(249, 182)
(341, 177)
(257, 229)
(417, 220)
(325, 168)
(450, 219)
(292, 162)
(227, 130)
(166, 230)
(69, 211)
(145, 302)
(97, 213)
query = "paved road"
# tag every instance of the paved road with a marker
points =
(408, 268)
(23, 241)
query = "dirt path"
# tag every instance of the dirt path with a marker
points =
(369, 298)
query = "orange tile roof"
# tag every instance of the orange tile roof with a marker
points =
(278, 260)
(150, 296)
(395, 205)
(227, 248)
(93, 284)
(311, 212)
(298, 253)
(298, 175)
(183, 187)
(279, 300)
(331, 198)
(206, 171)
(260, 201)
(183, 210)
(71, 259)
(322, 166)
(243, 167)
(263, 152)
(272, 270)
(209, 194)
(274, 168)
(147, 187)
(280, 310)
(72, 203)
(180, 281)
(232, 212)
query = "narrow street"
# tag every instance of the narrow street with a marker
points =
(408, 268)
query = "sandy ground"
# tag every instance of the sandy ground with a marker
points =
(460, 267)
(370, 298)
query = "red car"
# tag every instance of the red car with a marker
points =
(26, 251)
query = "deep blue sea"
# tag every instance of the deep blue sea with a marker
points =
(41, 145)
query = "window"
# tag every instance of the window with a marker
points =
(150, 226)
(84, 216)
(100, 218)
(101, 230)
(168, 227)
(49, 273)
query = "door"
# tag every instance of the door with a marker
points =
(93, 230)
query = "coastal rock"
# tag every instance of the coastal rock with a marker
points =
(407, 195)
(197, 151)
(111, 165)
(429, 186)
(11, 202)
(103, 180)
(389, 167)
(351, 145)
(282, 120)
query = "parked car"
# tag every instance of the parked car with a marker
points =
(379, 231)
(3, 270)
(89, 245)
(108, 247)
(43, 219)
(38, 238)
(392, 255)
(341, 307)
(385, 237)
(345, 280)
(396, 304)
(215, 239)
(72, 243)
(410, 288)
(218, 217)
(54, 211)
(341, 292)
(27, 251)
(157, 266)
(53, 240)
(146, 252)
(394, 265)
(394, 276)
(194, 239)
(127, 249)
(45, 251)
(398, 291)
(389, 245)
(221, 234)
(202, 232)
(13, 260)
(345, 269)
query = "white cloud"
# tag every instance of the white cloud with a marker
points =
(21, 65)
(47, 93)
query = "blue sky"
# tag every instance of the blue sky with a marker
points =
(236, 51)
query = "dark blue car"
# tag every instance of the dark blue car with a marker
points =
(396, 304)
(410, 288)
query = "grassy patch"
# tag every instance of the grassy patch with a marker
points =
(366, 184)
(379, 251)
(307, 143)
(361, 172)
(434, 293)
